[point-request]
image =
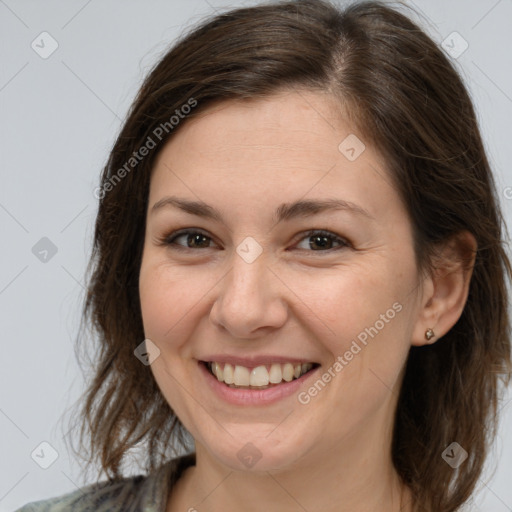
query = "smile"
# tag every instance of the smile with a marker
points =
(259, 377)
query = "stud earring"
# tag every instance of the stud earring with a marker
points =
(429, 334)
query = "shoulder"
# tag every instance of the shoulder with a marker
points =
(100, 496)
(130, 494)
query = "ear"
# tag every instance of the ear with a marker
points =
(445, 291)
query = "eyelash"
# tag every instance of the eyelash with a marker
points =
(169, 239)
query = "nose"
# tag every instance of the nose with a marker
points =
(251, 300)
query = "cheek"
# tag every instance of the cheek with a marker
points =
(174, 300)
(165, 298)
(349, 299)
(367, 314)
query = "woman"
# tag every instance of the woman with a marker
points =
(298, 266)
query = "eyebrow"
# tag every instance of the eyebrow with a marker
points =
(285, 211)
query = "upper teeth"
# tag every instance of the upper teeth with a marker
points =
(259, 376)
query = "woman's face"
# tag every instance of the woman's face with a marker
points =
(261, 289)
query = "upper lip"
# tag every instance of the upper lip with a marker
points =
(253, 361)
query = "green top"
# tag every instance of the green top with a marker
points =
(130, 494)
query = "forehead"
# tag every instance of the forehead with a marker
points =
(291, 143)
(290, 123)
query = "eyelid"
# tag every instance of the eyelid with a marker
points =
(344, 242)
(168, 239)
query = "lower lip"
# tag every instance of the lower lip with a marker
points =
(240, 396)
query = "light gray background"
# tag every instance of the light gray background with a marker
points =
(59, 117)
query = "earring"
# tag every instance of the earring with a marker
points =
(429, 334)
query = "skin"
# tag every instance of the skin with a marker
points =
(244, 159)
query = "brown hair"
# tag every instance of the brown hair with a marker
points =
(406, 98)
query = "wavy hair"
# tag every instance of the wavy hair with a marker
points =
(407, 98)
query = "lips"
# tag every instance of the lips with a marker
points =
(253, 361)
(257, 376)
(263, 395)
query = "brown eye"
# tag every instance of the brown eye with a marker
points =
(193, 240)
(323, 241)
(319, 241)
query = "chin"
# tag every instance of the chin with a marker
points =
(255, 453)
